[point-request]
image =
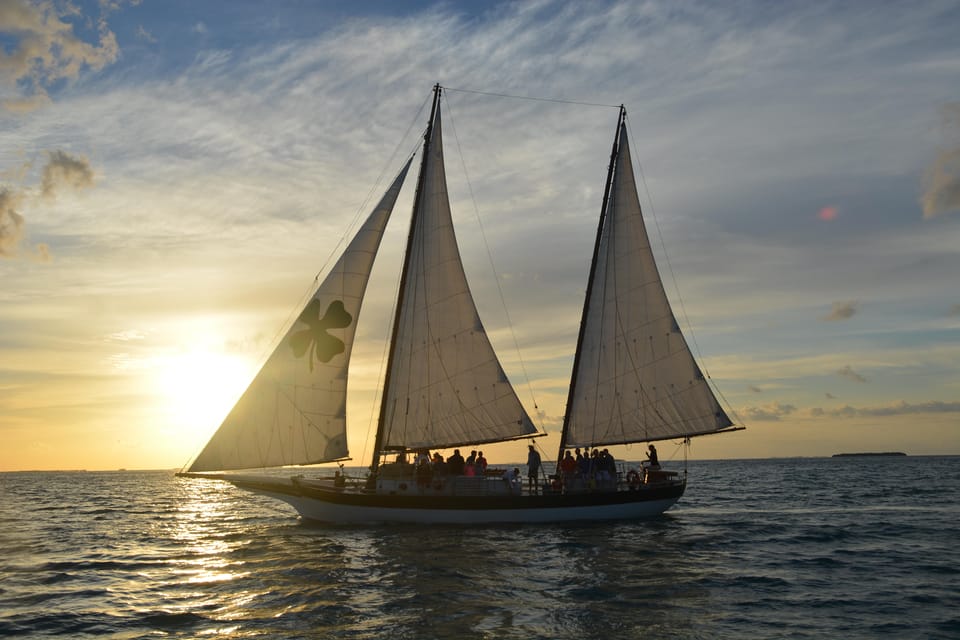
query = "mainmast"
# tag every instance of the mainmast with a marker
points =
(593, 269)
(378, 442)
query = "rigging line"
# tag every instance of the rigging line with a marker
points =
(534, 98)
(496, 276)
(375, 406)
(373, 189)
(311, 288)
(656, 222)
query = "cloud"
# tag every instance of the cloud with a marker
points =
(42, 49)
(43, 252)
(62, 170)
(28, 103)
(847, 372)
(65, 170)
(770, 413)
(842, 311)
(942, 179)
(143, 34)
(954, 311)
(11, 222)
(899, 409)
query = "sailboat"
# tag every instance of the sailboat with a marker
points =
(634, 380)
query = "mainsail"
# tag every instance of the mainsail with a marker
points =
(294, 411)
(445, 385)
(635, 379)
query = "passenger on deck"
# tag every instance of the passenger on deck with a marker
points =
(568, 469)
(455, 463)
(512, 478)
(606, 468)
(480, 464)
(652, 461)
(533, 470)
(439, 466)
(424, 470)
(584, 464)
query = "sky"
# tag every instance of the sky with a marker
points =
(173, 175)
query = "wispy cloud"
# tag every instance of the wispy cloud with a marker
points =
(11, 221)
(850, 374)
(770, 413)
(942, 179)
(842, 311)
(65, 170)
(62, 170)
(145, 35)
(901, 408)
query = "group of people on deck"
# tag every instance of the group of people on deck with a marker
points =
(592, 469)
(578, 469)
(427, 466)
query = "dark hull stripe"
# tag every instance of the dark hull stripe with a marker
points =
(467, 503)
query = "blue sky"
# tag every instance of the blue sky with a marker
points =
(174, 174)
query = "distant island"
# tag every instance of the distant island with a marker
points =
(884, 453)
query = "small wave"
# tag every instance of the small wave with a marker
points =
(172, 619)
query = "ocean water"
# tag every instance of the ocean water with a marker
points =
(795, 548)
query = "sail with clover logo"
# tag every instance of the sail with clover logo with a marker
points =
(294, 411)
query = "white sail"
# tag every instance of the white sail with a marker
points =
(636, 380)
(294, 411)
(446, 386)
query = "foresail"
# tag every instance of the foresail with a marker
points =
(446, 386)
(294, 411)
(637, 379)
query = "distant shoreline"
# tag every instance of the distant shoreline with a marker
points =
(884, 453)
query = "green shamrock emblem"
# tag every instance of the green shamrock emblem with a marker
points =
(315, 335)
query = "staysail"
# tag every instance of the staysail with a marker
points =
(294, 411)
(636, 379)
(445, 385)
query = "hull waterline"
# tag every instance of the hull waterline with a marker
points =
(325, 505)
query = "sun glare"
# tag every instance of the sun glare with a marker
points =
(200, 386)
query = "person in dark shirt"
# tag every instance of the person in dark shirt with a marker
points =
(568, 469)
(455, 463)
(652, 457)
(533, 470)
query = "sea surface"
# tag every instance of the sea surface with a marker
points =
(786, 548)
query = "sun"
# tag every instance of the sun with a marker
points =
(200, 385)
